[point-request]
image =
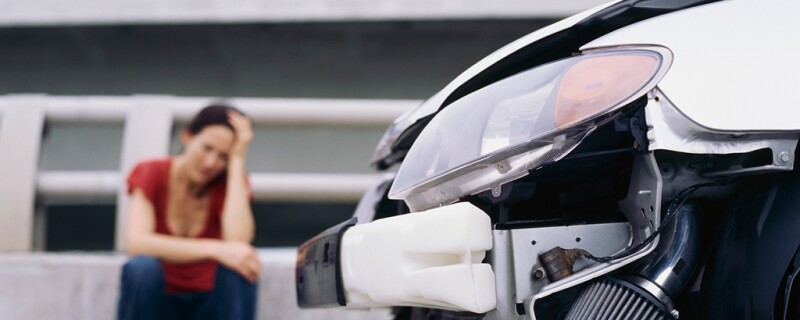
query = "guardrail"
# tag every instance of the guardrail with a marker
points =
(265, 186)
(148, 122)
(347, 112)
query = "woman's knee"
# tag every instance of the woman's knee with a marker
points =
(142, 289)
(228, 278)
(235, 296)
(143, 269)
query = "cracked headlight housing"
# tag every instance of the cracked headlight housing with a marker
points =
(501, 132)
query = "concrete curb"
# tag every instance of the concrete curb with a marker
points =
(85, 286)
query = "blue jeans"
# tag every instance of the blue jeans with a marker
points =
(142, 295)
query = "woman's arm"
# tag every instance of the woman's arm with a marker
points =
(237, 217)
(143, 240)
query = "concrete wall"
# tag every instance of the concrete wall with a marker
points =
(395, 59)
(83, 286)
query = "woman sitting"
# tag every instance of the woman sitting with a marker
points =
(190, 227)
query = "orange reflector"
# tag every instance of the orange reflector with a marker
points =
(595, 84)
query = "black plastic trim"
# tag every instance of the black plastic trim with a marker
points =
(754, 244)
(318, 272)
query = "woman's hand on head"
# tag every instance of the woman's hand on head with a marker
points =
(240, 257)
(243, 129)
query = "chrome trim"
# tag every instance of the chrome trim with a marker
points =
(676, 257)
(653, 290)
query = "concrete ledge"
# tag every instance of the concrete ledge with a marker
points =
(85, 286)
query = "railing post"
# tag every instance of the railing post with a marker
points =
(20, 141)
(148, 128)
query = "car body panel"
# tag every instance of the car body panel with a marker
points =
(751, 97)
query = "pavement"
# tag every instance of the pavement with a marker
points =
(85, 286)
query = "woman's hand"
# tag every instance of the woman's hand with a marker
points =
(240, 257)
(237, 216)
(243, 129)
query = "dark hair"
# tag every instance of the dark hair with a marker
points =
(215, 114)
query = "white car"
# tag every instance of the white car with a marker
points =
(634, 161)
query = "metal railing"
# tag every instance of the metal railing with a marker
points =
(148, 121)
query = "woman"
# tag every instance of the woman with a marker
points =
(190, 225)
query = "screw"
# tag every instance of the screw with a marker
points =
(538, 274)
(533, 243)
(496, 191)
(785, 157)
(675, 313)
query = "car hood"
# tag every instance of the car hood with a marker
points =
(735, 66)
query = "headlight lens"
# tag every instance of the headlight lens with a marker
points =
(499, 133)
(592, 85)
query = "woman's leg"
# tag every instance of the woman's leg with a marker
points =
(234, 296)
(142, 290)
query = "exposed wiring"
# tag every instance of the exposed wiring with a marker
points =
(672, 210)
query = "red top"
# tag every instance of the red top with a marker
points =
(152, 177)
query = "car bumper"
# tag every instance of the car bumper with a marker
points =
(430, 259)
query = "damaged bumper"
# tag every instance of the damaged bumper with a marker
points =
(432, 258)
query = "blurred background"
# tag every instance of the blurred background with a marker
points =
(87, 87)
